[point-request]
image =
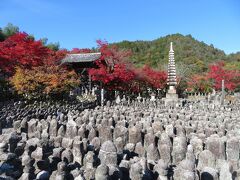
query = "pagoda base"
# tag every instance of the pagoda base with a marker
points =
(171, 97)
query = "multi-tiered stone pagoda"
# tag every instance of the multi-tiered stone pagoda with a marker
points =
(171, 94)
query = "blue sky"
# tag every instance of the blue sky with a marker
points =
(79, 23)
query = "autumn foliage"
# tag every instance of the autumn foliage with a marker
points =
(21, 50)
(217, 73)
(200, 83)
(155, 79)
(213, 79)
(115, 71)
(33, 69)
(77, 50)
(44, 80)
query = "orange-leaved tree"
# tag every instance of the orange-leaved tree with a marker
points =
(200, 83)
(44, 80)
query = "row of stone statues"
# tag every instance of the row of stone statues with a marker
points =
(133, 140)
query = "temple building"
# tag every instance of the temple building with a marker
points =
(81, 60)
(80, 63)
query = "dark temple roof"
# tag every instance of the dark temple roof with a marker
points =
(76, 58)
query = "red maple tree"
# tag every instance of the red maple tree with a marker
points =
(114, 71)
(22, 50)
(155, 79)
(199, 83)
(77, 51)
(217, 73)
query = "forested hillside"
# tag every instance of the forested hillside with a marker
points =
(189, 53)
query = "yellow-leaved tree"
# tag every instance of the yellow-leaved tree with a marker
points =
(44, 80)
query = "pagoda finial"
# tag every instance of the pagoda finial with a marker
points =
(171, 47)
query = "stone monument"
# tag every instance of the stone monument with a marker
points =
(223, 93)
(171, 95)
